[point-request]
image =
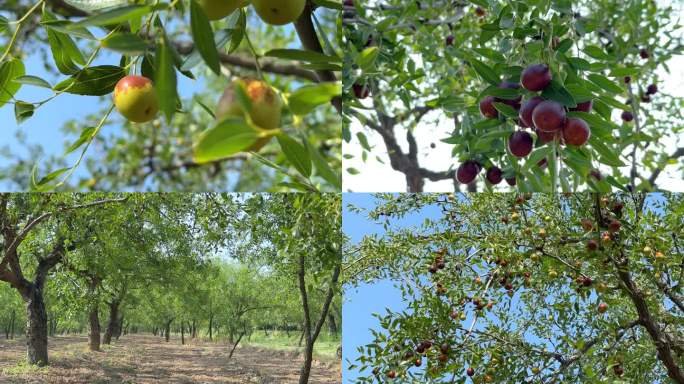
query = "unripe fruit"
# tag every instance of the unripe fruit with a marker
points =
(266, 106)
(218, 9)
(583, 107)
(542, 233)
(279, 12)
(602, 308)
(494, 175)
(576, 131)
(536, 77)
(515, 216)
(527, 108)
(361, 91)
(535, 370)
(520, 143)
(467, 172)
(549, 116)
(135, 99)
(659, 255)
(553, 274)
(627, 116)
(647, 249)
(487, 107)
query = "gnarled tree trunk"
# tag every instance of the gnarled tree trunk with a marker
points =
(36, 326)
(94, 335)
(112, 323)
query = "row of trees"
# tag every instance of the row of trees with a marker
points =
(213, 266)
(577, 288)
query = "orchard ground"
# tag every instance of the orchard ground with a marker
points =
(143, 359)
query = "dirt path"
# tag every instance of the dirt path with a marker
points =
(139, 359)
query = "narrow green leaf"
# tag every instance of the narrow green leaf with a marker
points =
(203, 36)
(113, 16)
(126, 43)
(165, 79)
(323, 169)
(306, 99)
(230, 136)
(555, 91)
(93, 81)
(86, 136)
(33, 80)
(296, 154)
(22, 111)
(366, 58)
(605, 83)
(485, 72)
(606, 154)
(9, 71)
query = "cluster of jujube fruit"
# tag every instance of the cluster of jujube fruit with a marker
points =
(547, 118)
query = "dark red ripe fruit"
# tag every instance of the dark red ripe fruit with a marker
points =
(520, 143)
(418, 362)
(644, 53)
(542, 163)
(443, 358)
(652, 89)
(627, 116)
(470, 372)
(467, 172)
(645, 98)
(545, 137)
(391, 374)
(549, 116)
(587, 281)
(596, 174)
(515, 103)
(618, 370)
(479, 11)
(487, 107)
(602, 307)
(527, 108)
(349, 3)
(614, 226)
(361, 91)
(432, 269)
(444, 348)
(494, 175)
(618, 206)
(450, 40)
(536, 77)
(576, 131)
(628, 79)
(511, 181)
(592, 245)
(583, 107)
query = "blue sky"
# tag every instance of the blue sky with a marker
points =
(362, 302)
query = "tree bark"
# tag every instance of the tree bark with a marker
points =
(168, 330)
(182, 325)
(332, 324)
(211, 325)
(235, 345)
(36, 327)
(94, 335)
(113, 322)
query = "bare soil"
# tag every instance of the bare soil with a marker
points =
(146, 359)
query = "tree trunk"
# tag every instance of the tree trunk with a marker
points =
(113, 320)
(119, 327)
(36, 327)
(235, 345)
(154, 331)
(94, 320)
(182, 333)
(332, 324)
(194, 329)
(168, 330)
(211, 325)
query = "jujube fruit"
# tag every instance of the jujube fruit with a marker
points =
(602, 308)
(135, 98)
(545, 137)
(515, 103)
(494, 175)
(536, 77)
(361, 91)
(576, 131)
(652, 89)
(583, 107)
(218, 9)
(520, 143)
(279, 12)
(467, 172)
(627, 116)
(527, 108)
(487, 107)
(549, 116)
(266, 106)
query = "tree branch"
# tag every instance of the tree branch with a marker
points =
(675, 155)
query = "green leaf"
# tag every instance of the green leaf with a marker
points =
(306, 99)
(363, 140)
(165, 79)
(485, 72)
(605, 83)
(51, 176)
(22, 111)
(599, 126)
(64, 51)
(238, 30)
(126, 43)
(4, 23)
(607, 155)
(296, 154)
(114, 16)
(302, 55)
(555, 91)
(203, 36)
(367, 57)
(579, 93)
(33, 80)
(86, 135)
(336, 5)
(597, 53)
(230, 136)
(323, 169)
(506, 109)
(93, 81)
(621, 72)
(502, 93)
(9, 71)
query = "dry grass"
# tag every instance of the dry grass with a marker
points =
(145, 359)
